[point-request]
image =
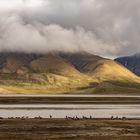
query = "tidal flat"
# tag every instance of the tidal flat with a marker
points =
(68, 129)
(124, 126)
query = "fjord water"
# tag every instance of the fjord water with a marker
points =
(71, 110)
(61, 111)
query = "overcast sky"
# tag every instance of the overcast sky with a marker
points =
(104, 27)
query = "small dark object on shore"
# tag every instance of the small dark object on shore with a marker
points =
(39, 117)
(117, 118)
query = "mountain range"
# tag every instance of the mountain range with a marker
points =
(131, 62)
(59, 72)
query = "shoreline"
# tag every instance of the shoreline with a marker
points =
(63, 129)
(71, 94)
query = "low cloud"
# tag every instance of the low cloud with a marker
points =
(17, 35)
(107, 28)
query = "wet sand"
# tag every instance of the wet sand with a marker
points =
(63, 129)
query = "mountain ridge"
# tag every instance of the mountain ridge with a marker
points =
(59, 72)
(131, 62)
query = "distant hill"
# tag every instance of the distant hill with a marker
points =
(64, 73)
(131, 62)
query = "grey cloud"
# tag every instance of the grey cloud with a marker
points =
(107, 28)
(17, 35)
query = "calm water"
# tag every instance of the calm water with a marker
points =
(60, 111)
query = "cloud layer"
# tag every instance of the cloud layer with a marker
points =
(108, 28)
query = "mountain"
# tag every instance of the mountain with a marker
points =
(100, 68)
(53, 64)
(131, 62)
(64, 72)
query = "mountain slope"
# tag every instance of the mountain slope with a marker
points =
(63, 73)
(112, 77)
(100, 68)
(131, 62)
(39, 73)
(53, 64)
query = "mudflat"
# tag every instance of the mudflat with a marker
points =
(69, 129)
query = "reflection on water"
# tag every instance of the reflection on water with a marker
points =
(61, 111)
